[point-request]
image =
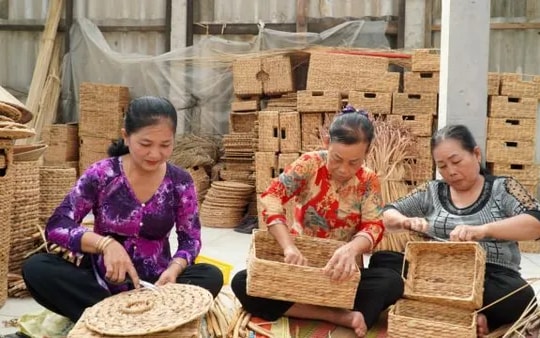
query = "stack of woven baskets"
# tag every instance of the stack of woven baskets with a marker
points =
(225, 204)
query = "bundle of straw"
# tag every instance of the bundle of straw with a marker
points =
(196, 151)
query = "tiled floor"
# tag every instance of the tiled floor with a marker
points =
(231, 247)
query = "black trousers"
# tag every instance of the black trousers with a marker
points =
(498, 283)
(379, 288)
(68, 290)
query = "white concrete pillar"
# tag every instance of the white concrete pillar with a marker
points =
(464, 65)
(178, 24)
(415, 23)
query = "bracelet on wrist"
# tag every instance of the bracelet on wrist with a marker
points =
(177, 262)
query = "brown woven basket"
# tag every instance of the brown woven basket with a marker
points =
(242, 122)
(426, 60)
(529, 246)
(6, 196)
(514, 108)
(405, 103)
(279, 78)
(520, 85)
(289, 132)
(511, 128)
(311, 126)
(269, 277)
(54, 184)
(510, 151)
(266, 168)
(521, 172)
(419, 124)
(446, 273)
(374, 103)
(268, 131)
(31, 152)
(318, 101)
(245, 81)
(413, 319)
(421, 82)
(419, 169)
(147, 312)
(92, 149)
(63, 141)
(494, 84)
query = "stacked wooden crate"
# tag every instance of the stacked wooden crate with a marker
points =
(511, 137)
(101, 116)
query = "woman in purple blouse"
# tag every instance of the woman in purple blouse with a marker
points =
(137, 199)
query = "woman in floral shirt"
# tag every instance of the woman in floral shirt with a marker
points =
(336, 197)
(137, 199)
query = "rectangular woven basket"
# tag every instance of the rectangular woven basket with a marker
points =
(426, 60)
(421, 82)
(494, 83)
(511, 128)
(268, 126)
(289, 127)
(510, 151)
(521, 172)
(419, 169)
(512, 107)
(446, 273)
(269, 277)
(407, 103)
(520, 85)
(419, 124)
(7, 181)
(318, 101)
(413, 319)
(374, 103)
(311, 125)
(266, 168)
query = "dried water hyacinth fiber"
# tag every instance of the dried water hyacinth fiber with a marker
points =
(192, 151)
(392, 146)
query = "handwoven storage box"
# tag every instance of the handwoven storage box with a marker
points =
(494, 84)
(289, 132)
(374, 103)
(519, 85)
(7, 176)
(269, 277)
(249, 105)
(387, 82)
(279, 78)
(286, 159)
(419, 125)
(246, 77)
(318, 101)
(521, 172)
(414, 319)
(63, 141)
(511, 128)
(101, 109)
(422, 147)
(419, 169)
(421, 82)
(311, 126)
(405, 103)
(54, 184)
(446, 273)
(265, 169)
(515, 108)
(529, 246)
(92, 149)
(510, 151)
(335, 71)
(268, 126)
(426, 60)
(242, 122)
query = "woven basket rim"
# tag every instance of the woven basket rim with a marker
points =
(11, 100)
(28, 152)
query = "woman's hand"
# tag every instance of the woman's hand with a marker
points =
(118, 263)
(415, 224)
(176, 267)
(342, 265)
(294, 256)
(466, 233)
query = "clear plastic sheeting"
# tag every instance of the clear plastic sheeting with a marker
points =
(197, 79)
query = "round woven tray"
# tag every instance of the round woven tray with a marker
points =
(10, 111)
(14, 130)
(28, 152)
(144, 311)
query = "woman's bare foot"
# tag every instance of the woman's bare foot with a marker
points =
(355, 320)
(481, 326)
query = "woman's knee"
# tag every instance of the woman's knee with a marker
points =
(37, 268)
(239, 284)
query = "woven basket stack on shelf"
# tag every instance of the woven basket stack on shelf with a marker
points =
(225, 204)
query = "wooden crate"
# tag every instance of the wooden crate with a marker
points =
(521, 172)
(510, 151)
(268, 126)
(513, 107)
(520, 85)
(266, 169)
(317, 101)
(92, 149)
(269, 277)
(374, 103)
(242, 122)
(419, 124)
(494, 84)
(63, 141)
(405, 103)
(101, 109)
(421, 82)
(426, 60)
(511, 128)
(311, 125)
(419, 169)
(290, 136)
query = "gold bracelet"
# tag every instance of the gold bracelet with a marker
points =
(102, 243)
(99, 243)
(106, 243)
(182, 265)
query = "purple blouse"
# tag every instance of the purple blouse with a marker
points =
(142, 228)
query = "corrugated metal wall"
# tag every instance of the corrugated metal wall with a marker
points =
(511, 50)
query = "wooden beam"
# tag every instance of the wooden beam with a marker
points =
(503, 26)
(428, 38)
(168, 20)
(401, 25)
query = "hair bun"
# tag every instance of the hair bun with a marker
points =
(350, 109)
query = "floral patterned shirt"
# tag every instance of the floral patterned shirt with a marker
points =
(142, 228)
(321, 208)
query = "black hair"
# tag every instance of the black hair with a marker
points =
(460, 133)
(143, 112)
(351, 126)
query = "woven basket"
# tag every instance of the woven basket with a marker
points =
(266, 168)
(269, 277)
(91, 150)
(510, 151)
(311, 124)
(511, 128)
(422, 147)
(421, 82)
(419, 169)
(63, 141)
(529, 246)
(446, 273)
(245, 81)
(426, 60)
(101, 109)
(31, 152)
(404, 103)
(6, 196)
(268, 131)
(494, 84)
(413, 319)
(24, 115)
(318, 101)
(242, 122)
(521, 172)
(289, 128)
(24, 212)
(280, 79)
(519, 85)
(54, 184)
(374, 103)
(248, 105)
(225, 204)
(514, 108)
(419, 124)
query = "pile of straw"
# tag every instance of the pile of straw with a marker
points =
(196, 151)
